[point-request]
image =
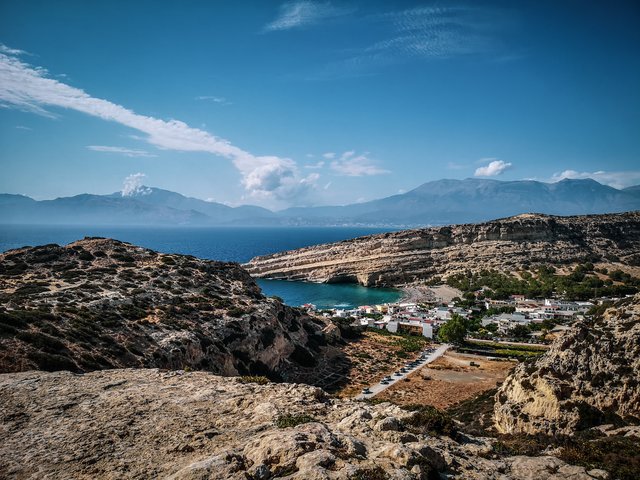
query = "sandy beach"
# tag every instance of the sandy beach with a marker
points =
(423, 294)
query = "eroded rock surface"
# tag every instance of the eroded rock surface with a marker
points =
(589, 377)
(100, 303)
(147, 423)
(399, 258)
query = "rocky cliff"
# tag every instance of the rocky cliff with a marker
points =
(99, 303)
(119, 424)
(589, 377)
(399, 258)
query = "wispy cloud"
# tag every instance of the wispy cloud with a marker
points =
(127, 152)
(22, 127)
(315, 166)
(613, 179)
(443, 31)
(495, 167)
(425, 33)
(455, 166)
(304, 13)
(352, 165)
(11, 51)
(329, 155)
(31, 89)
(212, 98)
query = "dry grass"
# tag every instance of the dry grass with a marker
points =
(448, 380)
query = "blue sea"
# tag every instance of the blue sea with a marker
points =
(232, 244)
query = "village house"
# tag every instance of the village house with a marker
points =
(506, 321)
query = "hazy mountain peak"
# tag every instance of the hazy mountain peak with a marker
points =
(436, 202)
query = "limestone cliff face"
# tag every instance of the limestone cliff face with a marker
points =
(100, 303)
(132, 424)
(590, 376)
(398, 258)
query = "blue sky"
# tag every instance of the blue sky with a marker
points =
(303, 103)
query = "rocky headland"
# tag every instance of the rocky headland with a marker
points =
(411, 256)
(99, 303)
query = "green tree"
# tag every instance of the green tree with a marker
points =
(520, 331)
(492, 327)
(454, 330)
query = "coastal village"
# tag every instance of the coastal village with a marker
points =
(405, 352)
(544, 319)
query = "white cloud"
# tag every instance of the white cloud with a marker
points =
(212, 98)
(133, 185)
(329, 155)
(303, 13)
(352, 165)
(327, 185)
(613, 179)
(11, 51)
(495, 167)
(315, 166)
(31, 89)
(22, 127)
(127, 152)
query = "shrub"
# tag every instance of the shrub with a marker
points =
(428, 419)
(51, 362)
(84, 255)
(618, 455)
(235, 312)
(31, 289)
(372, 473)
(41, 341)
(289, 420)
(167, 260)
(122, 257)
(521, 444)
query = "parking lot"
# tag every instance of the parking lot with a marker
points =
(427, 356)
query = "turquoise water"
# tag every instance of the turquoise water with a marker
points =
(233, 244)
(324, 295)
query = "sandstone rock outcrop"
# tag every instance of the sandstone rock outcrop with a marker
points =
(589, 377)
(120, 424)
(400, 258)
(100, 303)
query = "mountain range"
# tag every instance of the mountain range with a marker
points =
(433, 203)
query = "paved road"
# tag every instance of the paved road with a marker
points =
(378, 387)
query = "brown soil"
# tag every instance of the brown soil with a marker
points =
(448, 380)
(373, 357)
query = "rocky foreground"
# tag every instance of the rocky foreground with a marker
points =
(128, 423)
(87, 312)
(401, 258)
(589, 377)
(99, 303)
